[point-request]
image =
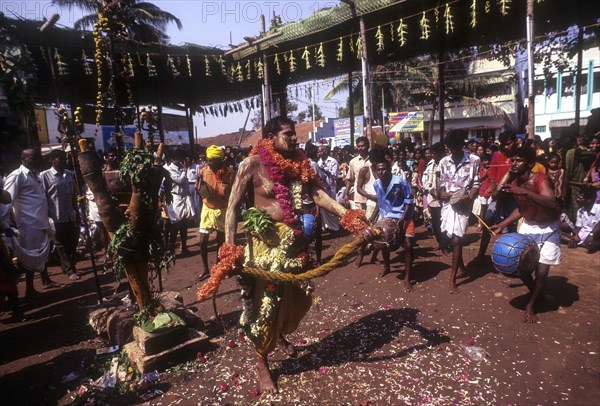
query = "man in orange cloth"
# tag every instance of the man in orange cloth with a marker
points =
(214, 186)
(275, 175)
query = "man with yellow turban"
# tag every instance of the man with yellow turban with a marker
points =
(214, 186)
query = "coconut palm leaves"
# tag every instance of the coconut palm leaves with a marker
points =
(143, 21)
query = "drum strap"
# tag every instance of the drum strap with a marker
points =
(548, 237)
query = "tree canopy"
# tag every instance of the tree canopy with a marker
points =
(143, 21)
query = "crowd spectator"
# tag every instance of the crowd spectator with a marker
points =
(30, 207)
(59, 186)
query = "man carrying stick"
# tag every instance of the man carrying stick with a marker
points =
(541, 211)
(275, 175)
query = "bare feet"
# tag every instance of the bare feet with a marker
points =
(264, 377)
(454, 289)
(50, 285)
(408, 287)
(286, 347)
(530, 316)
(461, 274)
(203, 276)
(384, 272)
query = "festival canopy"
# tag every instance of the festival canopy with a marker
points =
(323, 45)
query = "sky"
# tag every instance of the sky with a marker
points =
(210, 23)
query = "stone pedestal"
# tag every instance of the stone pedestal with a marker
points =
(151, 351)
(190, 343)
(153, 343)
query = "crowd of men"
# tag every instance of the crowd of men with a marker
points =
(546, 191)
(446, 186)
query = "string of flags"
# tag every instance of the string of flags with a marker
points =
(297, 92)
(395, 33)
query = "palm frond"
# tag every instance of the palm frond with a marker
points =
(86, 22)
(343, 85)
(89, 6)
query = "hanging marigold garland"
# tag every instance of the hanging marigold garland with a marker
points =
(292, 62)
(380, 40)
(207, 71)
(449, 19)
(425, 30)
(100, 44)
(188, 63)
(504, 6)
(358, 47)
(402, 31)
(474, 14)
(87, 70)
(63, 68)
(248, 67)
(306, 57)
(151, 67)
(320, 56)
(230, 257)
(258, 66)
(277, 64)
(171, 64)
(340, 50)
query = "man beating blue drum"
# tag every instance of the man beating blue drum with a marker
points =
(541, 212)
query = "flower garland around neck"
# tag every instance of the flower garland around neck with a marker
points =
(288, 175)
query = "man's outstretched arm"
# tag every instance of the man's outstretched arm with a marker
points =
(238, 190)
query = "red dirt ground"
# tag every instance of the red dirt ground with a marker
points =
(365, 341)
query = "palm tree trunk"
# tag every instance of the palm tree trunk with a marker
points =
(432, 119)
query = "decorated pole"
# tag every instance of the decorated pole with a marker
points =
(72, 130)
(530, 73)
(351, 104)
(366, 81)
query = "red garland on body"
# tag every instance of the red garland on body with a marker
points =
(282, 171)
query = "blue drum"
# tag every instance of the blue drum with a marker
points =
(309, 226)
(514, 252)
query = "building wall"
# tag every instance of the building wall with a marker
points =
(555, 100)
(495, 110)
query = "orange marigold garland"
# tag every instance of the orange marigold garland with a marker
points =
(295, 168)
(354, 220)
(230, 256)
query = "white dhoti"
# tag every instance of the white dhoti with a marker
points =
(196, 202)
(32, 248)
(455, 220)
(180, 209)
(547, 236)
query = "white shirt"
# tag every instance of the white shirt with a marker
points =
(461, 176)
(587, 220)
(331, 168)
(179, 179)
(28, 199)
(181, 207)
(429, 180)
(192, 173)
